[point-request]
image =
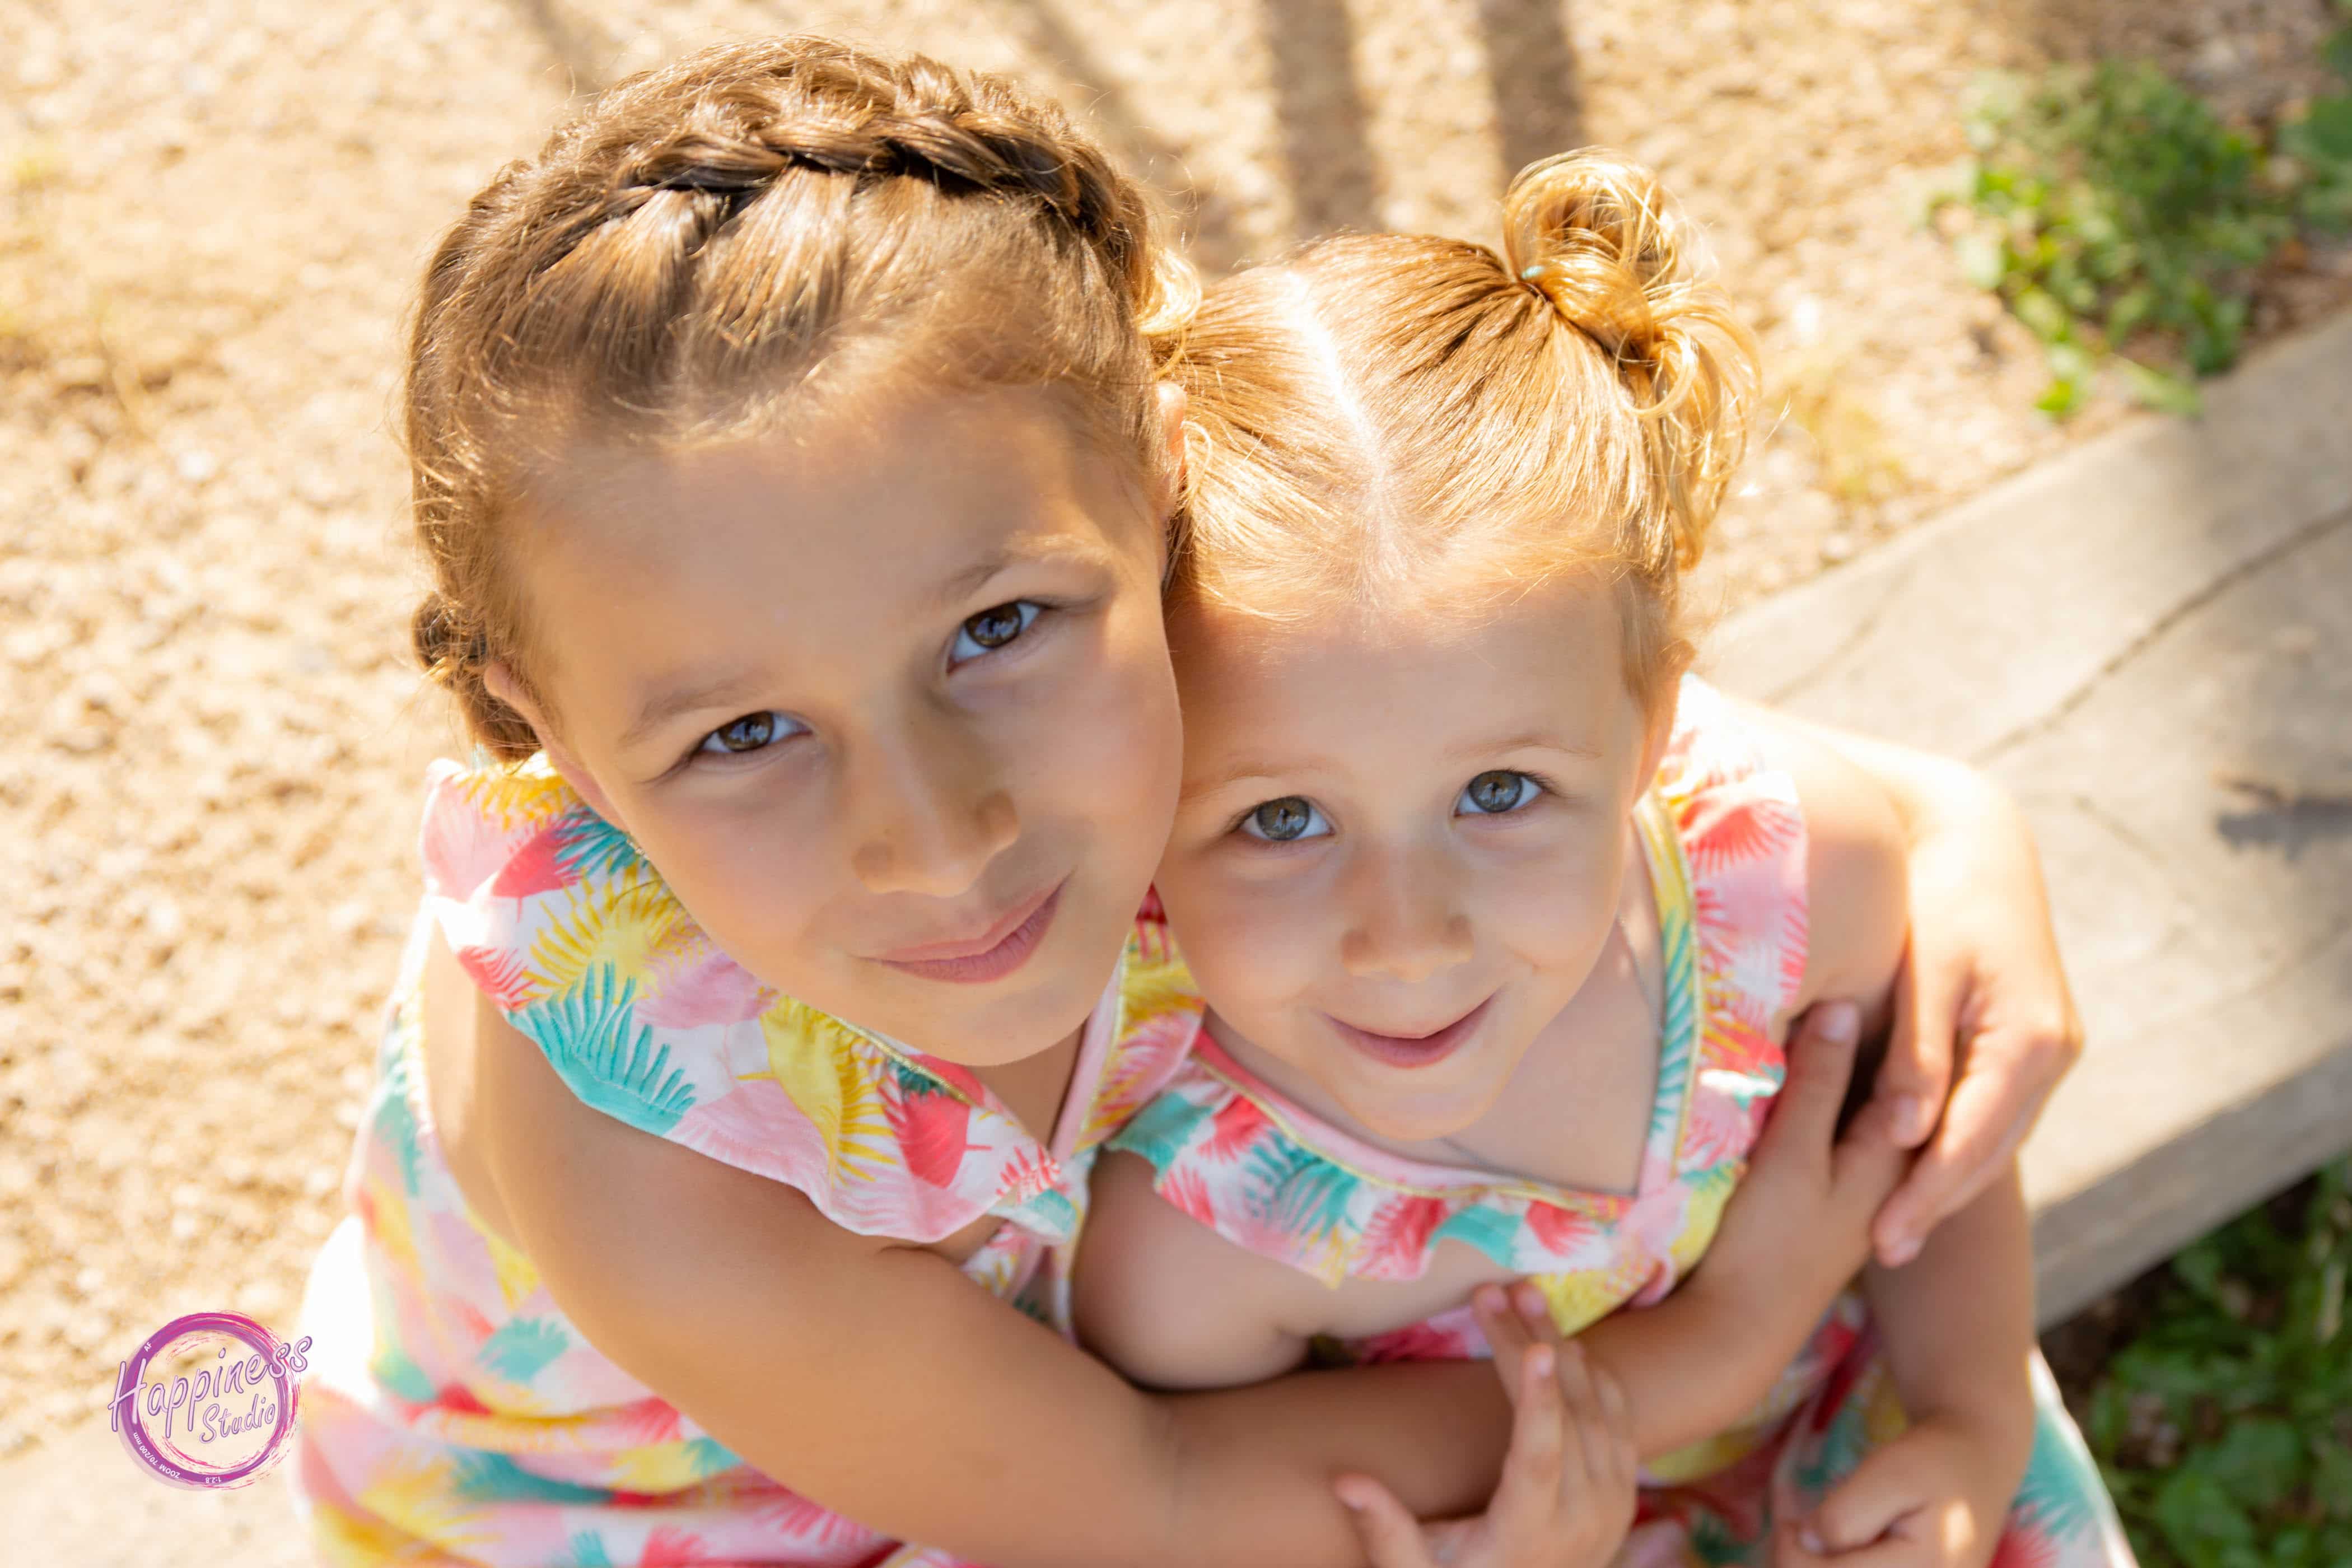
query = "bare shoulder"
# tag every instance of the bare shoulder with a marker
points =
(592, 1201)
(1856, 867)
(1172, 1303)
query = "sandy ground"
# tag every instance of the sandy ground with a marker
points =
(211, 215)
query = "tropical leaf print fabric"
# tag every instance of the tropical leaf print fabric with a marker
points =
(453, 1415)
(1724, 843)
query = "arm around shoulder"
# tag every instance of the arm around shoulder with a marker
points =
(874, 1379)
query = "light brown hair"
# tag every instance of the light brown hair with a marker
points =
(1386, 413)
(712, 246)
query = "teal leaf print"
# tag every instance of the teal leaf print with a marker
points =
(588, 1550)
(1296, 1189)
(586, 1036)
(2061, 1481)
(392, 1368)
(1490, 1230)
(398, 1119)
(709, 1456)
(593, 846)
(1839, 1450)
(481, 1476)
(1160, 1130)
(522, 1346)
(1713, 1542)
(1677, 1031)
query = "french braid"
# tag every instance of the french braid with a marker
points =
(703, 238)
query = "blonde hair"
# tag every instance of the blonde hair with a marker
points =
(718, 242)
(1382, 413)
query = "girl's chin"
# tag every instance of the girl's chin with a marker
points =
(1422, 1120)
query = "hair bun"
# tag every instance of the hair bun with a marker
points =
(1595, 235)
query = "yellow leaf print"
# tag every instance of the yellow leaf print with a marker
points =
(1581, 1299)
(623, 922)
(391, 1225)
(517, 1275)
(355, 1541)
(524, 795)
(422, 1498)
(833, 1076)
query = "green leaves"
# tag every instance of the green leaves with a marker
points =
(2113, 211)
(2224, 1430)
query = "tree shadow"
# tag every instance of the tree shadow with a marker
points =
(1531, 63)
(584, 50)
(1327, 149)
(1213, 237)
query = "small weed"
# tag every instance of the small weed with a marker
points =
(2224, 1429)
(2121, 221)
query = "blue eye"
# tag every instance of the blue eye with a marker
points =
(1285, 821)
(1497, 793)
(751, 732)
(992, 629)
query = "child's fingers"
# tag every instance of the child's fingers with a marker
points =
(1507, 1333)
(1391, 1536)
(1789, 1550)
(1588, 1427)
(1529, 1491)
(1820, 1062)
(1623, 1461)
(1864, 1506)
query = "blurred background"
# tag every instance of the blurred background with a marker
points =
(212, 216)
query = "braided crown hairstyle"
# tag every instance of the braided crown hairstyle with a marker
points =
(743, 231)
(1387, 412)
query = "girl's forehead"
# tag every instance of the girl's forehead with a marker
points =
(1545, 667)
(806, 550)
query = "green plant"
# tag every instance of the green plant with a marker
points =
(2225, 1429)
(2111, 209)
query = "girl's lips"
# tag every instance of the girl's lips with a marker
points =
(1413, 1051)
(993, 956)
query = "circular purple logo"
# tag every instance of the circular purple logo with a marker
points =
(207, 1401)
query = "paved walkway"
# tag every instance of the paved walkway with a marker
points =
(2151, 640)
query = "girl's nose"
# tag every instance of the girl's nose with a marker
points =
(925, 813)
(1404, 922)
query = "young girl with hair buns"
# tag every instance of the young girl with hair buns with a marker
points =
(1500, 915)
(791, 459)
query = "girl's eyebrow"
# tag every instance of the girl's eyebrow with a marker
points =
(1255, 768)
(1522, 740)
(684, 695)
(961, 584)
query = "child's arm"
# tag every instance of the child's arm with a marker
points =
(1957, 1325)
(878, 1381)
(1172, 1304)
(1986, 1026)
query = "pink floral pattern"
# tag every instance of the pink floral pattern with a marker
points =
(453, 1415)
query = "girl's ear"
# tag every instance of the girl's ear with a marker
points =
(501, 682)
(1660, 733)
(1170, 399)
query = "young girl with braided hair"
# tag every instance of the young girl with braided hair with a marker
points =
(1500, 915)
(790, 453)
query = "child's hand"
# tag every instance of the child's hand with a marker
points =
(1798, 1228)
(1936, 1497)
(1567, 1495)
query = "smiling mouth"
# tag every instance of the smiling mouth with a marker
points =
(1414, 1050)
(993, 955)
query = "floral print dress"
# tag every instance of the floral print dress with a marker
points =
(1724, 843)
(452, 1414)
